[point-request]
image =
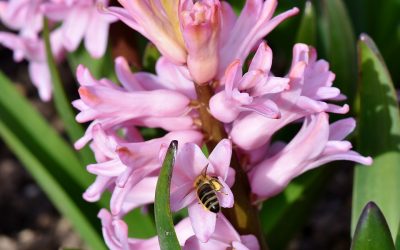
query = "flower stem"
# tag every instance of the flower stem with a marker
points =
(243, 216)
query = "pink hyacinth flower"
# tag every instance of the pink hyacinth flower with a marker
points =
(241, 34)
(115, 233)
(122, 165)
(250, 92)
(81, 20)
(201, 24)
(111, 105)
(315, 144)
(309, 87)
(190, 164)
(32, 49)
(224, 237)
(142, 160)
(24, 16)
(158, 21)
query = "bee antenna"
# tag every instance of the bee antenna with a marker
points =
(204, 172)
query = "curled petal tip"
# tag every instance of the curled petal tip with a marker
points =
(368, 161)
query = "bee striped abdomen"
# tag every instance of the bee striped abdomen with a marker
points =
(208, 197)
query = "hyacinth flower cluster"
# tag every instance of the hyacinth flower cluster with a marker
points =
(200, 95)
(199, 86)
(81, 21)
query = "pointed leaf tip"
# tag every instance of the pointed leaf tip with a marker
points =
(162, 210)
(372, 230)
(378, 133)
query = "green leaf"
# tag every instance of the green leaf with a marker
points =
(164, 223)
(140, 225)
(18, 115)
(372, 231)
(237, 5)
(150, 57)
(63, 105)
(307, 32)
(49, 159)
(339, 44)
(398, 239)
(378, 136)
(101, 67)
(293, 204)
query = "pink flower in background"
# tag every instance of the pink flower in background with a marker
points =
(81, 20)
(32, 49)
(310, 85)
(190, 165)
(23, 16)
(224, 237)
(250, 92)
(315, 144)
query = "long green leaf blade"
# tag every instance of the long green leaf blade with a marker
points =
(60, 198)
(379, 135)
(164, 223)
(63, 105)
(372, 231)
(339, 43)
(307, 32)
(398, 239)
(44, 142)
(23, 127)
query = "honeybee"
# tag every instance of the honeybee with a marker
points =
(206, 190)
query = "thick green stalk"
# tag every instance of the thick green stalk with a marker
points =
(243, 216)
(63, 105)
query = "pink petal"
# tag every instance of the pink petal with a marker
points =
(231, 77)
(96, 36)
(74, 28)
(125, 76)
(194, 244)
(223, 108)
(267, 108)
(342, 128)
(226, 198)
(184, 230)
(262, 60)
(94, 191)
(203, 221)
(40, 75)
(220, 158)
(347, 156)
(175, 77)
(250, 241)
(191, 161)
(182, 196)
(109, 168)
(143, 193)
